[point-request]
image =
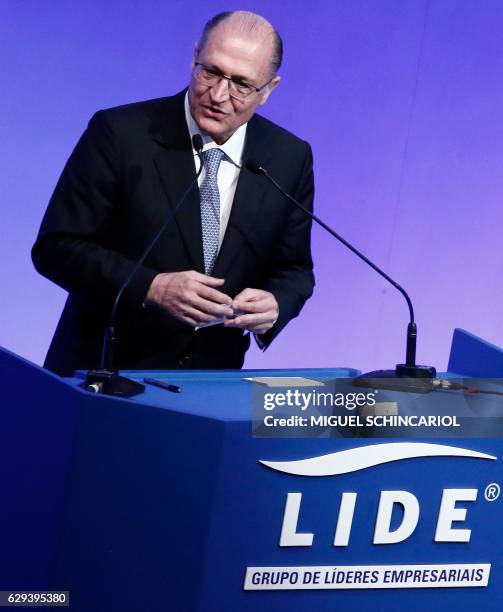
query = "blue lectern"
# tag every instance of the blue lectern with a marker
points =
(167, 502)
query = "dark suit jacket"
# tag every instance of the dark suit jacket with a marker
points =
(124, 177)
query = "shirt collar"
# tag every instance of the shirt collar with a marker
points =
(233, 147)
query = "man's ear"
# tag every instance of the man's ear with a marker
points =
(197, 49)
(268, 90)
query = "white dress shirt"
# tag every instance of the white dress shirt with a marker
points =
(228, 172)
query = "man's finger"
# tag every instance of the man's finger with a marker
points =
(255, 300)
(246, 294)
(189, 320)
(196, 316)
(210, 281)
(213, 295)
(210, 308)
(261, 305)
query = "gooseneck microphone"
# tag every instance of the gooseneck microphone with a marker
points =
(107, 380)
(409, 369)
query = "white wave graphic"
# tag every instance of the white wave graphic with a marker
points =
(355, 459)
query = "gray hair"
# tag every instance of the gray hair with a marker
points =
(248, 23)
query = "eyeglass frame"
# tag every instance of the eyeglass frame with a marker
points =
(221, 75)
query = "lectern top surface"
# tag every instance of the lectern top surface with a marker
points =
(221, 394)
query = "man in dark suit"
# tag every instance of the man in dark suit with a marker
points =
(236, 251)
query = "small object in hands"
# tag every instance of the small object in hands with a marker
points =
(236, 313)
(159, 383)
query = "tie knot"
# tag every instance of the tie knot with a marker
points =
(212, 159)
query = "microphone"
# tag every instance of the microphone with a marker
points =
(106, 379)
(422, 375)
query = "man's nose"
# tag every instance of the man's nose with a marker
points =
(220, 91)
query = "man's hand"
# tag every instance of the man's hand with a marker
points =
(190, 297)
(260, 311)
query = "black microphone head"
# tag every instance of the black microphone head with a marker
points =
(254, 166)
(197, 142)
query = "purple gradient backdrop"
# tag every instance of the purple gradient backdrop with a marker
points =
(429, 213)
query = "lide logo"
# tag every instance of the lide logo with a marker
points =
(352, 460)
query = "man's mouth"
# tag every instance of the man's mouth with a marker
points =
(213, 111)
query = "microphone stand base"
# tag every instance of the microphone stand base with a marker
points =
(417, 371)
(109, 382)
(410, 379)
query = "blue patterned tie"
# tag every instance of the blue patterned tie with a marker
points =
(210, 207)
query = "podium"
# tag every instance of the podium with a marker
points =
(166, 502)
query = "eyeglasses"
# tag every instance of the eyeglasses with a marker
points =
(240, 90)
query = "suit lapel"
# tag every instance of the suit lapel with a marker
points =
(175, 166)
(248, 199)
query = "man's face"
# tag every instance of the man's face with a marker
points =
(239, 56)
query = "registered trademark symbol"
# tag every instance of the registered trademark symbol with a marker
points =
(492, 492)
